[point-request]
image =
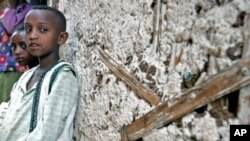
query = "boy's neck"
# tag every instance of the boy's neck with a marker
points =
(48, 62)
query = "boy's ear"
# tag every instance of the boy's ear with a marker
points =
(62, 38)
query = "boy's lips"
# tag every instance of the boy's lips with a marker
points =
(34, 45)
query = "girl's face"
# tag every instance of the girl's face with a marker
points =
(19, 48)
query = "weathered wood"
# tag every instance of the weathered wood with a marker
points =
(156, 24)
(142, 91)
(231, 79)
(123, 135)
(244, 96)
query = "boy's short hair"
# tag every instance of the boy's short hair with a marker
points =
(59, 14)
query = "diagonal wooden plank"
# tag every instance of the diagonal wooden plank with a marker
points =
(216, 86)
(139, 89)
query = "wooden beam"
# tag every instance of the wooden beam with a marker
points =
(215, 87)
(139, 89)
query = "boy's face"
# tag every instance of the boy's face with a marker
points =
(42, 34)
(19, 48)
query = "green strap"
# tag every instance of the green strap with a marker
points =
(36, 99)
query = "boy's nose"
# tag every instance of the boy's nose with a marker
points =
(33, 35)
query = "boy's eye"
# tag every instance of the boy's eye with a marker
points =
(27, 29)
(43, 29)
(23, 45)
(13, 46)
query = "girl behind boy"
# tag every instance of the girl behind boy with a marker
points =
(20, 51)
(11, 19)
(23, 57)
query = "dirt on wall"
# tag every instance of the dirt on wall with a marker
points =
(167, 45)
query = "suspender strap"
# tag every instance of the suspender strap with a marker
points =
(53, 76)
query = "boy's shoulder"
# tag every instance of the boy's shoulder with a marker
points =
(63, 66)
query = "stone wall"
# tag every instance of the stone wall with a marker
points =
(168, 46)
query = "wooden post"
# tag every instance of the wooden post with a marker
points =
(156, 24)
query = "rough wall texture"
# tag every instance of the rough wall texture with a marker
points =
(195, 39)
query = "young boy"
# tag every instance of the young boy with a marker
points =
(44, 102)
(20, 51)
